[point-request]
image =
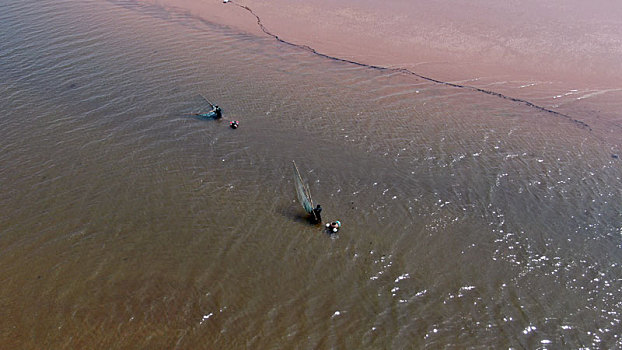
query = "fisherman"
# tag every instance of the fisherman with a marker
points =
(316, 214)
(217, 112)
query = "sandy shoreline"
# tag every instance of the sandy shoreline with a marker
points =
(561, 55)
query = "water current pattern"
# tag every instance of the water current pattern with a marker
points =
(127, 222)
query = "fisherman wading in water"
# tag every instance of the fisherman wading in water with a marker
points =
(317, 218)
(214, 113)
(217, 112)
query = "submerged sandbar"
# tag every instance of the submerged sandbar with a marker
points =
(563, 55)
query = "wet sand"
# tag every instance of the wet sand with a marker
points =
(571, 42)
(560, 55)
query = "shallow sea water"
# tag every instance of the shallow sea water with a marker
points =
(468, 220)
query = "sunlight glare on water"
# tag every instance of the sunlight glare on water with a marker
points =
(468, 220)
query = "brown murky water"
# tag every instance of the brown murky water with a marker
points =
(469, 220)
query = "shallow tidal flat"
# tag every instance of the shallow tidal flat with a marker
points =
(469, 220)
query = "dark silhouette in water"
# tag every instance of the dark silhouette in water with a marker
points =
(215, 113)
(316, 216)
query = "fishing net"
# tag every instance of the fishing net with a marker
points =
(302, 191)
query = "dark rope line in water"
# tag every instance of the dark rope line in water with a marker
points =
(408, 71)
